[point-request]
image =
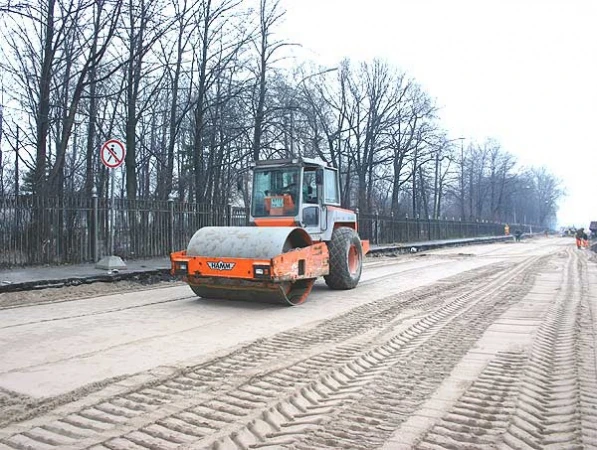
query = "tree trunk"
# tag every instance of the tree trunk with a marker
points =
(43, 116)
(92, 150)
(259, 113)
(168, 171)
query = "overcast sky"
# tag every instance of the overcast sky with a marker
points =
(521, 71)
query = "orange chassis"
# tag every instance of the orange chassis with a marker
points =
(298, 264)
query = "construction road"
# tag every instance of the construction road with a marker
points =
(484, 346)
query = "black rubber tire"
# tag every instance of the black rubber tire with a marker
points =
(343, 239)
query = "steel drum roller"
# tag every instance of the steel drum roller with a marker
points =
(246, 242)
(251, 243)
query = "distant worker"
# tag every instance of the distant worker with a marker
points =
(507, 230)
(517, 235)
(581, 238)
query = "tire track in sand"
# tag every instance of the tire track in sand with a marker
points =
(103, 417)
(548, 408)
(306, 407)
(417, 371)
(546, 399)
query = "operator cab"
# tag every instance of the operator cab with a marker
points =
(297, 190)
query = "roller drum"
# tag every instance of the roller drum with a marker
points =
(258, 243)
(247, 242)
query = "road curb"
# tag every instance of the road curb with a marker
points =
(77, 281)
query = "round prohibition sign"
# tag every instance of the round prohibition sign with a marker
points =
(112, 153)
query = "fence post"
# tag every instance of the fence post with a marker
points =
(170, 222)
(418, 227)
(229, 215)
(376, 225)
(94, 225)
(392, 225)
(428, 227)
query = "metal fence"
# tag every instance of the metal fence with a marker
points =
(388, 230)
(72, 230)
(42, 231)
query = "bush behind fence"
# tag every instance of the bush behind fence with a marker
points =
(74, 230)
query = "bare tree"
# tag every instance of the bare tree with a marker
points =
(270, 14)
(88, 46)
(411, 126)
(501, 165)
(219, 41)
(548, 192)
(144, 27)
(98, 74)
(442, 169)
(56, 65)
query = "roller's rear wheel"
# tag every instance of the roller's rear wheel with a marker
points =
(346, 259)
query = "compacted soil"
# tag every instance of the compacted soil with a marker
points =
(489, 346)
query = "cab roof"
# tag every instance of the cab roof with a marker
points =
(298, 162)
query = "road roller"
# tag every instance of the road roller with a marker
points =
(298, 232)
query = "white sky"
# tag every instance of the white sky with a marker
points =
(521, 71)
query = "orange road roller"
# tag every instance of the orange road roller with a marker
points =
(299, 234)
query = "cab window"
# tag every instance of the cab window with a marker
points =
(330, 182)
(309, 186)
(275, 192)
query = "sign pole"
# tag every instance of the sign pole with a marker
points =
(111, 244)
(112, 154)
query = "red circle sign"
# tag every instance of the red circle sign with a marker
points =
(112, 153)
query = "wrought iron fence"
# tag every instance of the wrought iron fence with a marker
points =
(73, 230)
(388, 230)
(43, 231)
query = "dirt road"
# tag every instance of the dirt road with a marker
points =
(473, 347)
